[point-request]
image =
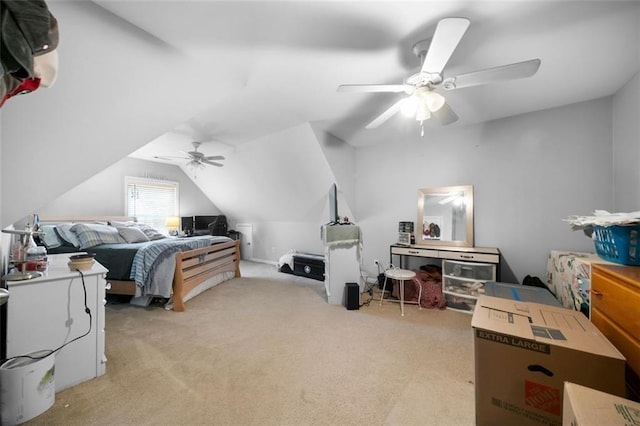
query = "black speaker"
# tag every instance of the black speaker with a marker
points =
(351, 296)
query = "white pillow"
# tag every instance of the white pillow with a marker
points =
(132, 234)
(150, 232)
(117, 224)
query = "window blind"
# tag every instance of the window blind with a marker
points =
(151, 201)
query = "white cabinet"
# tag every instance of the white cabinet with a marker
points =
(342, 259)
(463, 282)
(341, 267)
(49, 311)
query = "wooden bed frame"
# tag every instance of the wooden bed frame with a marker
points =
(193, 267)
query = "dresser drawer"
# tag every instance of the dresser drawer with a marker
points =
(409, 251)
(628, 345)
(472, 257)
(469, 271)
(617, 300)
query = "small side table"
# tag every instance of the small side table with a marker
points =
(400, 275)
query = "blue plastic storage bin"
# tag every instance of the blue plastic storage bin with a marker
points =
(618, 243)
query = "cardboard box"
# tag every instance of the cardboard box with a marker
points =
(584, 406)
(525, 351)
(521, 293)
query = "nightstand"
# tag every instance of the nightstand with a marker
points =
(49, 311)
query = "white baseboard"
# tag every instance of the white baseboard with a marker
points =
(268, 262)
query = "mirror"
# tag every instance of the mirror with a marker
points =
(445, 216)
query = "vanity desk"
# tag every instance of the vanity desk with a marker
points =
(468, 254)
(465, 270)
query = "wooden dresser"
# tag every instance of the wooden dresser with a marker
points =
(615, 298)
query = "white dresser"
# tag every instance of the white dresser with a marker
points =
(46, 312)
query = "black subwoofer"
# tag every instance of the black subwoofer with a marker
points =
(351, 296)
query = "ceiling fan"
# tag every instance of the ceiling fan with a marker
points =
(422, 88)
(196, 159)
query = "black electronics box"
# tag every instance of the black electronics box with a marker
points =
(306, 265)
(309, 265)
(351, 296)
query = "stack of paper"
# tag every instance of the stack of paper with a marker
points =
(603, 218)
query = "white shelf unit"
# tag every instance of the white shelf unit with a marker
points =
(46, 312)
(463, 282)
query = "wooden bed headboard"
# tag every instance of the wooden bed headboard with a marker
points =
(62, 219)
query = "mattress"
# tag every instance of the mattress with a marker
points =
(117, 258)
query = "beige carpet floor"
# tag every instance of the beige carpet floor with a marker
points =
(267, 349)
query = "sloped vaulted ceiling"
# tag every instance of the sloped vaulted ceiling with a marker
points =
(117, 89)
(282, 177)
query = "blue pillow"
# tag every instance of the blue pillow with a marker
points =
(50, 238)
(93, 234)
(66, 235)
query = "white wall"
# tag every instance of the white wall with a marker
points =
(103, 194)
(342, 160)
(529, 172)
(626, 147)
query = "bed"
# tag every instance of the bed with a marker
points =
(143, 263)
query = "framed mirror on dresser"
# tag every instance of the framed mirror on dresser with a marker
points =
(445, 216)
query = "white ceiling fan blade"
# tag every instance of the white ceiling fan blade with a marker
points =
(493, 75)
(445, 39)
(385, 115)
(212, 163)
(169, 157)
(213, 157)
(445, 115)
(372, 88)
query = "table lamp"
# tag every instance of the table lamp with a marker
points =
(172, 223)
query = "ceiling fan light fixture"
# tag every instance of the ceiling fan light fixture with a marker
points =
(434, 101)
(410, 106)
(194, 165)
(422, 112)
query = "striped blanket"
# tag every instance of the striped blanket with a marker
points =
(150, 257)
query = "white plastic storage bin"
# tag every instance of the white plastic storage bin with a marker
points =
(463, 282)
(460, 303)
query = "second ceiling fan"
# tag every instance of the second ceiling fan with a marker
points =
(422, 88)
(195, 158)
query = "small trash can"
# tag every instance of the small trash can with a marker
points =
(27, 387)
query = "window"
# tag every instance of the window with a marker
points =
(151, 201)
